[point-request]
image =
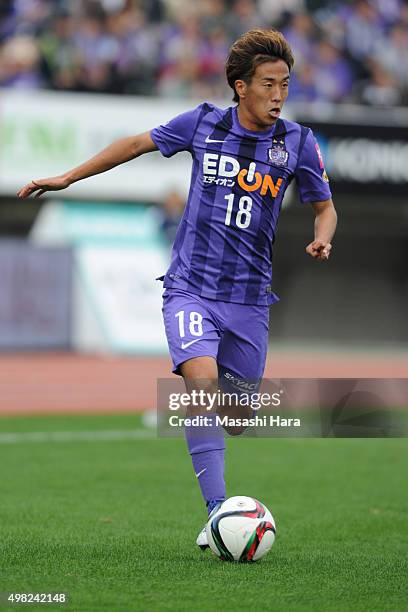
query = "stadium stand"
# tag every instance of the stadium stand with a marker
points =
(355, 51)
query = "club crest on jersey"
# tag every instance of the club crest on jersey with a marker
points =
(278, 155)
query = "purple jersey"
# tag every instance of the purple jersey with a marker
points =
(223, 247)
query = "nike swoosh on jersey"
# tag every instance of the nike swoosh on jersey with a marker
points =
(201, 472)
(185, 345)
(208, 140)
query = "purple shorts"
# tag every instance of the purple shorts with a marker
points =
(236, 335)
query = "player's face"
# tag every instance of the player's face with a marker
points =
(262, 99)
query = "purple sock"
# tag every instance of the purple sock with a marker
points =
(212, 504)
(209, 469)
(206, 448)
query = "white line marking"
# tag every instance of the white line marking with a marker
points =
(76, 436)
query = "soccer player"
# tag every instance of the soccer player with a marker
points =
(218, 287)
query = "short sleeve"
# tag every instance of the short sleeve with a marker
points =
(310, 173)
(177, 134)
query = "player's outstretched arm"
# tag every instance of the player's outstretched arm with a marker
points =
(325, 226)
(117, 153)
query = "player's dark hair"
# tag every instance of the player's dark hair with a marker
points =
(252, 49)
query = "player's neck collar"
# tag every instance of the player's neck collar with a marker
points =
(257, 134)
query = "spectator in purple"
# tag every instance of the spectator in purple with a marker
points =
(363, 29)
(212, 60)
(244, 16)
(300, 33)
(61, 57)
(135, 60)
(303, 85)
(333, 76)
(19, 64)
(380, 89)
(392, 54)
(181, 44)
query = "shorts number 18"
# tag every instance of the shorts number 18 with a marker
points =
(195, 324)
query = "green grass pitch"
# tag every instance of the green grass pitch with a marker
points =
(113, 522)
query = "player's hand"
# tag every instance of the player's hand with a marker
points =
(40, 186)
(319, 250)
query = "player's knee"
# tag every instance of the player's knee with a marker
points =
(201, 379)
(233, 416)
(200, 369)
(201, 383)
(235, 430)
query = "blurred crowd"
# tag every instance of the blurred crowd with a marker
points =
(351, 51)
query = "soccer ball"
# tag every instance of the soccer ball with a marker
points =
(241, 530)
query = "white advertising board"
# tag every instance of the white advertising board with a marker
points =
(120, 285)
(118, 253)
(47, 133)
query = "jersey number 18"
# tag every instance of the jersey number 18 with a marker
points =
(243, 216)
